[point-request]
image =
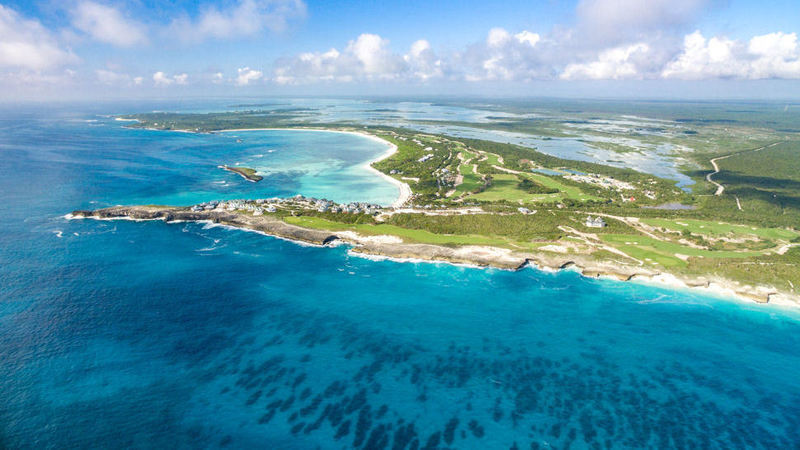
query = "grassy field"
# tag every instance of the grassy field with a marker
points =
(663, 252)
(568, 191)
(492, 159)
(471, 181)
(776, 270)
(504, 188)
(710, 228)
(406, 234)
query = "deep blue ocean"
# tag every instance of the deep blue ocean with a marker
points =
(121, 334)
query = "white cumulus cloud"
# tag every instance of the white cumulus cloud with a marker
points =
(181, 78)
(525, 56)
(774, 55)
(246, 75)
(26, 44)
(366, 57)
(504, 56)
(162, 79)
(777, 55)
(107, 24)
(611, 64)
(422, 62)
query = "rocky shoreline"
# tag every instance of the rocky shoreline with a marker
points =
(482, 256)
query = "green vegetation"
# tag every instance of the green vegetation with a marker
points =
(767, 182)
(570, 191)
(746, 234)
(506, 187)
(471, 181)
(408, 235)
(780, 271)
(705, 227)
(542, 226)
(532, 187)
(664, 252)
(215, 121)
(247, 172)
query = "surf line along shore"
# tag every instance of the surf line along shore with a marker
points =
(475, 255)
(405, 190)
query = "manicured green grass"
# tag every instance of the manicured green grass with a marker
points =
(504, 187)
(408, 235)
(471, 180)
(492, 159)
(572, 192)
(468, 154)
(711, 228)
(663, 252)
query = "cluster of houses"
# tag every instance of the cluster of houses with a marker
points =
(269, 205)
(601, 180)
(255, 206)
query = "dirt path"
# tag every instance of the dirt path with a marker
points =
(632, 222)
(594, 241)
(503, 169)
(721, 188)
(785, 248)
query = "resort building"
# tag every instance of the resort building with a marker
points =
(597, 222)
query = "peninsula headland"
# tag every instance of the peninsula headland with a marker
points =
(484, 203)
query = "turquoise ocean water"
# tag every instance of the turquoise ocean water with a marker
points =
(144, 334)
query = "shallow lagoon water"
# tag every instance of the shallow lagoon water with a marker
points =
(656, 160)
(148, 334)
(653, 161)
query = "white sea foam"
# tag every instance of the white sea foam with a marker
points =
(209, 225)
(661, 280)
(415, 260)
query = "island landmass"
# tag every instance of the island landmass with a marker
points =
(486, 203)
(247, 173)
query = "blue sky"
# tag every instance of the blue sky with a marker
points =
(655, 48)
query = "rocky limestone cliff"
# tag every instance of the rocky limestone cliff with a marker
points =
(472, 255)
